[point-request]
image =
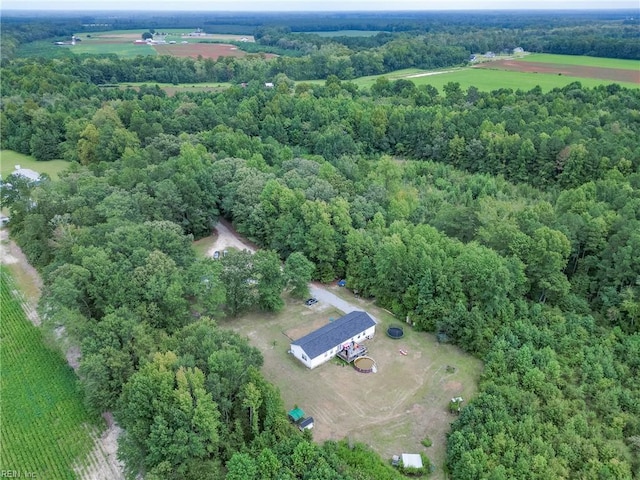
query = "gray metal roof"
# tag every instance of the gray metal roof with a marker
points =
(334, 333)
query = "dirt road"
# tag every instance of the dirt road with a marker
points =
(228, 237)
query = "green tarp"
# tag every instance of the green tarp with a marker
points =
(296, 414)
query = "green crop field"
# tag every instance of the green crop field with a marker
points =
(488, 80)
(42, 48)
(45, 428)
(582, 61)
(127, 49)
(9, 159)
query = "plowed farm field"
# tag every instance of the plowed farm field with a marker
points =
(614, 74)
(205, 50)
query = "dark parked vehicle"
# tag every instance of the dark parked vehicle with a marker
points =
(311, 301)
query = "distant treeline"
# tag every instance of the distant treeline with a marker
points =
(613, 34)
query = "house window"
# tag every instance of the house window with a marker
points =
(304, 357)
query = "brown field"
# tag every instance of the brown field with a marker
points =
(391, 410)
(205, 50)
(615, 74)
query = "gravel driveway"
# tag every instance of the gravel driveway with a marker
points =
(228, 237)
(324, 295)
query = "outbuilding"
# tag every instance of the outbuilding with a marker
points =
(324, 343)
(305, 424)
(411, 460)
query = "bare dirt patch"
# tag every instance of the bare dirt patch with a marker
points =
(615, 74)
(204, 50)
(225, 238)
(102, 463)
(25, 276)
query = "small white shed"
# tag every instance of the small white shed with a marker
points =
(413, 460)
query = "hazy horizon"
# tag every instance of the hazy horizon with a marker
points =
(259, 6)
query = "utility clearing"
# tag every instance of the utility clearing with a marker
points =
(45, 429)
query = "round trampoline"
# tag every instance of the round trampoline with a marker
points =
(364, 364)
(395, 332)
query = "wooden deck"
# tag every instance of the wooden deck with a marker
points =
(352, 351)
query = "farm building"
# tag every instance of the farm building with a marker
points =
(324, 343)
(27, 173)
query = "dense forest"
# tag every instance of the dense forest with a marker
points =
(508, 222)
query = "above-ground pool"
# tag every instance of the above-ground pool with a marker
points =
(364, 364)
(395, 332)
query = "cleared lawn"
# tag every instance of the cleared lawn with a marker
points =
(44, 428)
(391, 410)
(582, 61)
(9, 159)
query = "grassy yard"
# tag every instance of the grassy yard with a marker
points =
(582, 60)
(45, 427)
(9, 159)
(391, 410)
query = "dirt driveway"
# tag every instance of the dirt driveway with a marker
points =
(226, 237)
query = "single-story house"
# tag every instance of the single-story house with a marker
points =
(324, 343)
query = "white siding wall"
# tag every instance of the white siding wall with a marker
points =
(329, 354)
(300, 355)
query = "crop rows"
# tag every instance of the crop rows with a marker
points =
(43, 420)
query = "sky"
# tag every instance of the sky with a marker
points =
(316, 5)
